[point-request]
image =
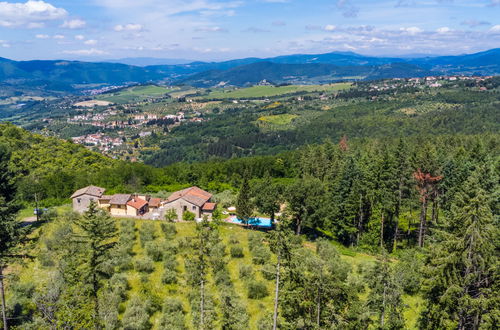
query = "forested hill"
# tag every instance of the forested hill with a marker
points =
(62, 74)
(421, 199)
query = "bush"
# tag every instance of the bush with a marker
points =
(268, 272)
(173, 315)
(233, 239)
(169, 276)
(260, 255)
(145, 265)
(154, 250)
(254, 240)
(188, 216)
(237, 252)
(147, 232)
(246, 271)
(119, 284)
(171, 215)
(136, 316)
(168, 229)
(223, 278)
(257, 290)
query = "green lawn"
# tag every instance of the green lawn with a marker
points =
(269, 91)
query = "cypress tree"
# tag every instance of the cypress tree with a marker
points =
(97, 233)
(244, 209)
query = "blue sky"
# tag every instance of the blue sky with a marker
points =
(225, 29)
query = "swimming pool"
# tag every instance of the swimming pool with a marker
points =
(258, 222)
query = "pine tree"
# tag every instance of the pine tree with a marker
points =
(244, 208)
(10, 232)
(385, 298)
(460, 289)
(97, 232)
(267, 196)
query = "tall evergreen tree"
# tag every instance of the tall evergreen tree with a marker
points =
(385, 298)
(244, 207)
(267, 196)
(10, 231)
(97, 232)
(461, 287)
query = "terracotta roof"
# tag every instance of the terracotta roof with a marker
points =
(193, 195)
(120, 199)
(137, 203)
(209, 206)
(154, 202)
(90, 190)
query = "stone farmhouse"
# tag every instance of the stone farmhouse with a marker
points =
(193, 199)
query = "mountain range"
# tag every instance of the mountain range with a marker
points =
(298, 68)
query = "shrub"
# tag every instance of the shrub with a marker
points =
(136, 316)
(119, 284)
(223, 278)
(260, 254)
(169, 276)
(173, 315)
(188, 216)
(154, 250)
(268, 272)
(168, 229)
(257, 290)
(171, 215)
(246, 271)
(147, 232)
(145, 265)
(254, 240)
(233, 239)
(237, 252)
(170, 261)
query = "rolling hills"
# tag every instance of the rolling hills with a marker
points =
(320, 68)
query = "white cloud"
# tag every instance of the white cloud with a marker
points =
(330, 27)
(42, 36)
(30, 14)
(443, 30)
(131, 27)
(210, 29)
(79, 37)
(58, 36)
(74, 24)
(495, 28)
(4, 44)
(413, 30)
(88, 52)
(91, 42)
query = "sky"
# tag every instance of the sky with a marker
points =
(226, 29)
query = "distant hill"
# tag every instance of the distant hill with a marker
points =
(316, 73)
(148, 61)
(299, 68)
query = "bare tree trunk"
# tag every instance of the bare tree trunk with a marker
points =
(382, 316)
(299, 226)
(318, 308)
(398, 210)
(2, 293)
(382, 231)
(276, 293)
(423, 223)
(360, 220)
(202, 304)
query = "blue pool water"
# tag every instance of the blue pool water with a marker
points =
(258, 222)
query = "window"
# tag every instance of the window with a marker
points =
(78, 200)
(194, 208)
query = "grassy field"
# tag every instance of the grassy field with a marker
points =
(268, 91)
(149, 284)
(135, 94)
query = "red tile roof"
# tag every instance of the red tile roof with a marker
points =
(209, 206)
(193, 195)
(154, 202)
(90, 190)
(137, 203)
